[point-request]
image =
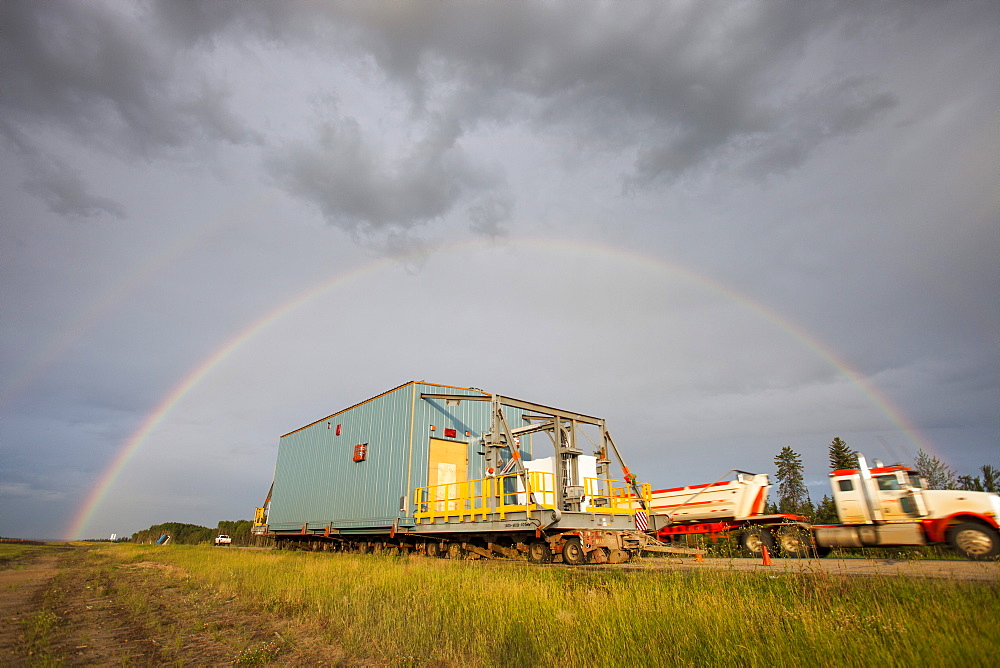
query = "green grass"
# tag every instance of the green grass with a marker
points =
(417, 611)
(12, 553)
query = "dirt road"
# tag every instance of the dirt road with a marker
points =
(75, 608)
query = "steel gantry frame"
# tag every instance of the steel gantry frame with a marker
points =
(562, 428)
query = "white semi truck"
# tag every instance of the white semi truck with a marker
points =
(878, 507)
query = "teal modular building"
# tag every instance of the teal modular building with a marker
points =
(357, 469)
(458, 472)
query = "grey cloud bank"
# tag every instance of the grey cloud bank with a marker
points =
(689, 218)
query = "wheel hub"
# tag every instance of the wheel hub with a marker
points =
(973, 542)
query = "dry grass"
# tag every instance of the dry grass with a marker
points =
(417, 611)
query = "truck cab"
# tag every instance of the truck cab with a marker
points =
(883, 494)
(891, 505)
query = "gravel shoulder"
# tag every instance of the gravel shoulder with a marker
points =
(978, 571)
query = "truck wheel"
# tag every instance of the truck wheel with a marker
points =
(753, 541)
(573, 553)
(539, 552)
(434, 549)
(456, 551)
(974, 541)
(794, 543)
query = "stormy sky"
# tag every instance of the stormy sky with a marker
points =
(725, 227)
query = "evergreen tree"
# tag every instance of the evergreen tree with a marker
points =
(239, 531)
(826, 512)
(938, 474)
(180, 533)
(841, 456)
(991, 478)
(970, 483)
(792, 493)
(990, 482)
(808, 508)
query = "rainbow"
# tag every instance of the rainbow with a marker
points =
(193, 377)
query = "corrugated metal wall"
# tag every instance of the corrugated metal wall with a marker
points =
(317, 482)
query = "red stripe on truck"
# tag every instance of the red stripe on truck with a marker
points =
(681, 489)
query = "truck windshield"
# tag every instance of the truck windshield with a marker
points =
(887, 482)
(916, 480)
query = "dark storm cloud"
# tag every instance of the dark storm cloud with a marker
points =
(101, 75)
(681, 85)
(94, 70)
(358, 189)
(677, 86)
(64, 191)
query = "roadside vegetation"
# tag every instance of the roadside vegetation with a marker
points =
(416, 611)
(193, 534)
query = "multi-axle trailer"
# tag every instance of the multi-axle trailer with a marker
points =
(457, 472)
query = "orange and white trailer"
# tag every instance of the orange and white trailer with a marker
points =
(733, 506)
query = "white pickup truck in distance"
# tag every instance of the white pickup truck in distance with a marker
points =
(223, 539)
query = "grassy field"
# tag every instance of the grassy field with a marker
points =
(418, 611)
(12, 554)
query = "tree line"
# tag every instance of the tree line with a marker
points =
(192, 534)
(794, 499)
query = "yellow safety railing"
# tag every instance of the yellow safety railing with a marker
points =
(474, 500)
(615, 497)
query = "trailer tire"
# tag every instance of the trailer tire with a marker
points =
(539, 552)
(435, 549)
(573, 553)
(974, 541)
(753, 541)
(794, 543)
(456, 551)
